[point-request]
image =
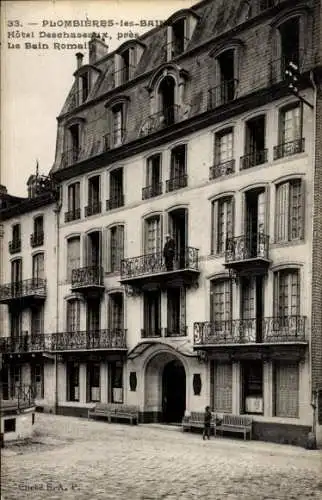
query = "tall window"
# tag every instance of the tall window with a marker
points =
(37, 380)
(93, 382)
(116, 248)
(289, 214)
(153, 185)
(73, 316)
(94, 196)
(117, 124)
(287, 293)
(255, 152)
(178, 37)
(222, 224)
(73, 201)
(152, 314)
(116, 311)
(176, 312)
(15, 323)
(16, 271)
(290, 124)
(252, 386)
(286, 378)
(72, 371)
(38, 272)
(226, 65)
(73, 255)
(37, 320)
(221, 301)
(84, 83)
(39, 225)
(223, 146)
(152, 241)
(116, 382)
(15, 243)
(116, 189)
(73, 152)
(178, 162)
(290, 41)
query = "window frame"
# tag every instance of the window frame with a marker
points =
(215, 204)
(283, 220)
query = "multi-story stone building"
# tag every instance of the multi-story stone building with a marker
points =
(189, 256)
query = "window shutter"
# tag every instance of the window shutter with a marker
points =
(214, 228)
(169, 43)
(276, 295)
(286, 390)
(223, 388)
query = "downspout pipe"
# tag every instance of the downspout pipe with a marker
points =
(57, 211)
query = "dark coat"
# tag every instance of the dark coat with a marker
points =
(169, 248)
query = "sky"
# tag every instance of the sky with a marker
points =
(35, 80)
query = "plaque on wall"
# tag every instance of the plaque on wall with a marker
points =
(196, 384)
(133, 381)
(254, 405)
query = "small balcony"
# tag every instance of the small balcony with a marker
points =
(148, 271)
(253, 159)
(175, 183)
(14, 246)
(73, 215)
(16, 397)
(115, 202)
(162, 119)
(37, 239)
(152, 191)
(90, 340)
(289, 148)
(222, 94)
(273, 334)
(247, 254)
(88, 280)
(93, 208)
(34, 343)
(23, 293)
(221, 169)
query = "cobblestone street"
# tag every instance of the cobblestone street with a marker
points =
(75, 458)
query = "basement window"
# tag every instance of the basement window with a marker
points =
(10, 425)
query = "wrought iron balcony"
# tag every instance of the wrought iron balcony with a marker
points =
(247, 253)
(93, 208)
(115, 202)
(114, 339)
(124, 74)
(289, 148)
(253, 159)
(222, 94)
(71, 156)
(73, 215)
(175, 48)
(88, 279)
(279, 66)
(162, 119)
(37, 239)
(19, 396)
(147, 333)
(151, 191)
(175, 183)
(222, 169)
(23, 292)
(271, 330)
(25, 344)
(14, 246)
(147, 270)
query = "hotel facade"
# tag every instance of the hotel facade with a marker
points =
(191, 131)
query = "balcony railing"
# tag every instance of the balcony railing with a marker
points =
(151, 191)
(89, 339)
(222, 94)
(114, 139)
(71, 156)
(154, 263)
(175, 183)
(87, 276)
(253, 159)
(289, 148)
(37, 239)
(115, 202)
(244, 331)
(221, 169)
(14, 246)
(246, 247)
(73, 215)
(279, 66)
(93, 208)
(23, 289)
(25, 343)
(162, 119)
(22, 394)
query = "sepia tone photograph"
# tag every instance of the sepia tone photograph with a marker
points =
(161, 249)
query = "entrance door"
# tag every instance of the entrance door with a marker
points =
(173, 392)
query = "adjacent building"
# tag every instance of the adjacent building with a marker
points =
(184, 249)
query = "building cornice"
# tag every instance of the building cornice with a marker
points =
(28, 205)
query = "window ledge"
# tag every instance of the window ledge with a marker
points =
(282, 244)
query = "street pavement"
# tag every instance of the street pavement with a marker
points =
(72, 458)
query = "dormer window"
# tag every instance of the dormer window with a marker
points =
(74, 136)
(290, 42)
(84, 86)
(85, 77)
(126, 59)
(117, 125)
(180, 28)
(117, 121)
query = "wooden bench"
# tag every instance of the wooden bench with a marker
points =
(235, 423)
(115, 411)
(196, 420)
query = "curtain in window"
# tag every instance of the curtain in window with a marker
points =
(287, 293)
(178, 162)
(73, 316)
(291, 124)
(152, 235)
(38, 267)
(286, 390)
(223, 388)
(73, 255)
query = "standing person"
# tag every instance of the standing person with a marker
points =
(168, 252)
(207, 422)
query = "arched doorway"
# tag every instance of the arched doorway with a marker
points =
(173, 392)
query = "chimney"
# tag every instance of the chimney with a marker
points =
(79, 57)
(97, 48)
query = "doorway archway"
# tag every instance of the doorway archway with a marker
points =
(173, 392)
